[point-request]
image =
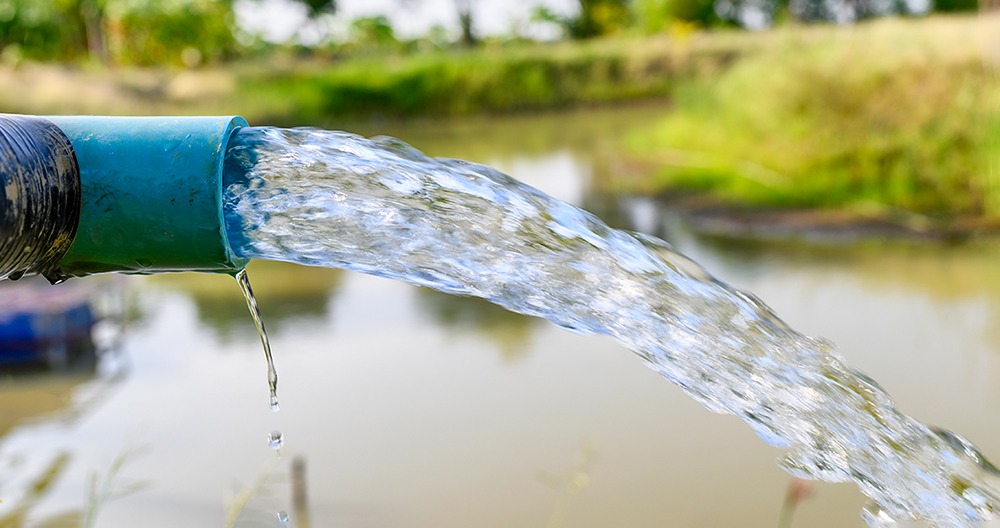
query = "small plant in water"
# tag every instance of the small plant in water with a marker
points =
(236, 502)
(110, 486)
(569, 484)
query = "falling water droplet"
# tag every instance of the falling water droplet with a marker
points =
(272, 374)
(275, 440)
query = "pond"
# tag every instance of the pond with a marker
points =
(402, 407)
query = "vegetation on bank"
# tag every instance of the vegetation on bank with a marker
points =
(887, 117)
(288, 89)
(484, 80)
(890, 117)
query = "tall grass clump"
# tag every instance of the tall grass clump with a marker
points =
(888, 116)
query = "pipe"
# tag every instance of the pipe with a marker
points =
(151, 195)
(39, 196)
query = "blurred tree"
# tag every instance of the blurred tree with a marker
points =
(91, 13)
(122, 31)
(315, 29)
(372, 34)
(760, 14)
(958, 5)
(464, 8)
(752, 14)
(42, 30)
(595, 18)
(848, 11)
(654, 15)
(466, 20)
(149, 32)
(651, 15)
(320, 7)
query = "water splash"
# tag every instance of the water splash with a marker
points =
(272, 374)
(380, 207)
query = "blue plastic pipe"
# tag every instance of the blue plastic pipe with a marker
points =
(151, 195)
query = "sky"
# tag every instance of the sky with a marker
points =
(277, 20)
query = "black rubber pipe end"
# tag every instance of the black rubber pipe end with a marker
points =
(39, 197)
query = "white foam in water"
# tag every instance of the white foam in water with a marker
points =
(378, 206)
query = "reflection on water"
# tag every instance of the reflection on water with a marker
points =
(952, 277)
(408, 416)
(510, 331)
(49, 399)
(287, 296)
(38, 487)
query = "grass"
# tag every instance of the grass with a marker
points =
(892, 116)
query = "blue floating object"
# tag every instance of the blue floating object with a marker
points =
(43, 325)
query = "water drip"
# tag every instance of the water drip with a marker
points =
(272, 373)
(275, 440)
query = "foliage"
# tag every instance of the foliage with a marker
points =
(372, 34)
(656, 15)
(954, 6)
(185, 32)
(119, 31)
(651, 16)
(43, 29)
(701, 12)
(320, 7)
(892, 115)
(595, 18)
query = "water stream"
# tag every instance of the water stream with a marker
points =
(337, 200)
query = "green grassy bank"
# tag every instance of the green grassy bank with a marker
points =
(892, 117)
